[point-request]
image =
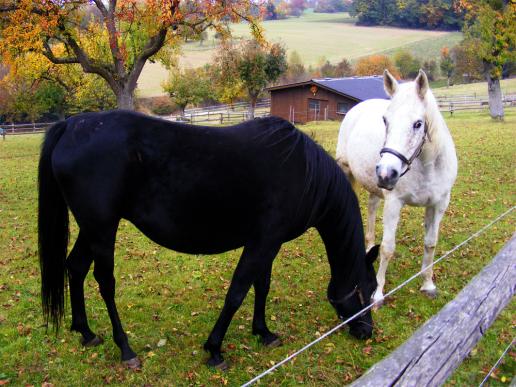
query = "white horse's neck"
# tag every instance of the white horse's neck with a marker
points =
(441, 143)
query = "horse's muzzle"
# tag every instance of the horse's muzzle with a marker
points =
(387, 177)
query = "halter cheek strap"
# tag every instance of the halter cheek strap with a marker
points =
(357, 290)
(416, 153)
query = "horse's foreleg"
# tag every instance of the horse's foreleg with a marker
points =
(433, 217)
(103, 256)
(372, 208)
(261, 289)
(250, 266)
(391, 216)
(78, 264)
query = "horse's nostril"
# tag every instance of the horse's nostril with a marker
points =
(394, 174)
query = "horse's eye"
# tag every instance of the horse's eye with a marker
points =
(418, 124)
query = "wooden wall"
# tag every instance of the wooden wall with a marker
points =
(293, 104)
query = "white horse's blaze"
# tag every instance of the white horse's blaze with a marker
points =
(400, 126)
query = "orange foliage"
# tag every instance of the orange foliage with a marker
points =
(375, 65)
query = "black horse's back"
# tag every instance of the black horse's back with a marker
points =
(193, 189)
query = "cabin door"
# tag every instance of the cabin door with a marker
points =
(317, 109)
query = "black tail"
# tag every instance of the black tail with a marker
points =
(53, 232)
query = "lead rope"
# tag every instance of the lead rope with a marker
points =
(337, 327)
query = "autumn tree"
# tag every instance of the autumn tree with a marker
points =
(258, 66)
(468, 64)
(35, 86)
(375, 65)
(188, 86)
(492, 30)
(296, 71)
(407, 64)
(296, 7)
(224, 73)
(126, 33)
(447, 65)
(255, 65)
(343, 68)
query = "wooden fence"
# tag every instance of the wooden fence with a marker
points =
(431, 355)
(471, 102)
(10, 129)
(230, 114)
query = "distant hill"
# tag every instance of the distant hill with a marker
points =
(313, 36)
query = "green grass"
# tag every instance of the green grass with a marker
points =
(313, 36)
(508, 86)
(166, 295)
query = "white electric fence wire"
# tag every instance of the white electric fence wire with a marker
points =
(497, 363)
(337, 327)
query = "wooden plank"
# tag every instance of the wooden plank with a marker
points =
(431, 355)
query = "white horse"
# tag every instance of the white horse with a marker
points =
(402, 151)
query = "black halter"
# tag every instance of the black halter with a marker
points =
(416, 153)
(341, 300)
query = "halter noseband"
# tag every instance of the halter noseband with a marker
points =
(416, 153)
(357, 290)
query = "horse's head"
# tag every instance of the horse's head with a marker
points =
(350, 303)
(405, 128)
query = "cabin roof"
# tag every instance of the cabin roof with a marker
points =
(359, 88)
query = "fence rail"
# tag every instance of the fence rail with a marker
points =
(230, 114)
(431, 355)
(12, 128)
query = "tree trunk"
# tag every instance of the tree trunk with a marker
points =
(495, 97)
(125, 98)
(252, 106)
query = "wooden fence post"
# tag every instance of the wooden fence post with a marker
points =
(431, 355)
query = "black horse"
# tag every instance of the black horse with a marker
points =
(197, 190)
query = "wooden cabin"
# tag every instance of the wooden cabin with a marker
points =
(324, 98)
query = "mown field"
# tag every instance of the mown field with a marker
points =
(508, 86)
(313, 36)
(165, 295)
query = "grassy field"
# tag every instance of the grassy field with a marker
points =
(313, 36)
(165, 295)
(479, 88)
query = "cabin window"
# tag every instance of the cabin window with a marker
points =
(344, 107)
(314, 104)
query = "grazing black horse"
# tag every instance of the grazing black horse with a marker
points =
(197, 190)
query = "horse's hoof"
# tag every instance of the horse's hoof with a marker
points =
(430, 293)
(218, 364)
(132, 364)
(93, 342)
(276, 342)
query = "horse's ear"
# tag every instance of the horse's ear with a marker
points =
(372, 254)
(390, 84)
(421, 84)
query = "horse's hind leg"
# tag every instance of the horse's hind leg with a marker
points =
(78, 264)
(261, 289)
(102, 247)
(433, 217)
(347, 171)
(250, 266)
(372, 208)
